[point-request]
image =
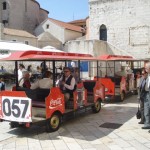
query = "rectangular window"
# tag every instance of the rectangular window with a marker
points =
(26, 42)
(4, 22)
(4, 5)
(47, 26)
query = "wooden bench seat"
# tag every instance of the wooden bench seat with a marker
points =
(36, 95)
(38, 104)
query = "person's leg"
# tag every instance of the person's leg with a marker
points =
(146, 112)
(142, 111)
(149, 109)
(67, 96)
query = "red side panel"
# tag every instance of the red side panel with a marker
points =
(55, 102)
(109, 86)
(99, 91)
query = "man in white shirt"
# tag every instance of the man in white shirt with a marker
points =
(122, 72)
(45, 83)
(20, 70)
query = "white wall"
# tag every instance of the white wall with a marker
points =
(54, 29)
(32, 41)
(71, 35)
(58, 32)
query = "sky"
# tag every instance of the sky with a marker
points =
(66, 10)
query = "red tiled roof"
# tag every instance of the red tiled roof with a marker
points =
(16, 32)
(77, 21)
(66, 25)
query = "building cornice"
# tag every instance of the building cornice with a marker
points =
(39, 6)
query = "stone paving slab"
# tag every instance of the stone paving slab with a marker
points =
(84, 132)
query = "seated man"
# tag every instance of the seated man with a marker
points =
(25, 80)
(67, 83)
(122, 72)
(45, 83)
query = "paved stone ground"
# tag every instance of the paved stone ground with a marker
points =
(84, 132)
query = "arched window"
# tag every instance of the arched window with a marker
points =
(4, 5)
(103, 33)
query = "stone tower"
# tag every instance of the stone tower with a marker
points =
(123, 23)
(22, 14)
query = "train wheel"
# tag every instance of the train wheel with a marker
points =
(13, 124)
(97, 107)
(53, 123)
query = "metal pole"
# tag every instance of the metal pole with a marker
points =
(16, 73)
(54, 72)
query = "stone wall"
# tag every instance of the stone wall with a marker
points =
(126, 21)
(46, 39)
(93, 47)
(32, 41)
(23, 14)
(16, 14)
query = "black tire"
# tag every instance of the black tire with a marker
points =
(53, 123)
(97, 106)
(122, 96)
(13, 124)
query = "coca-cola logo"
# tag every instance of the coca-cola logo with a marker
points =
(55, 102)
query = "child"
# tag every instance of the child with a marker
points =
(2, 85)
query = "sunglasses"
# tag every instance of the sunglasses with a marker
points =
(66, 71)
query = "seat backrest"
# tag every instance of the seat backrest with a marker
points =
(80, 95)
(38, 94)
(42, 93)
(89, 85)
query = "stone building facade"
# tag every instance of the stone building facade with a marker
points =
(56, 33)
(22, 36)
(122, 23)
(22, 14)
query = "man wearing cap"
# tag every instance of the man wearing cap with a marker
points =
(67, 83)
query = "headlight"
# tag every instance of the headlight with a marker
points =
(106, 90)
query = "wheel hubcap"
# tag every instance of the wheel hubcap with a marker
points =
(54, 121)
(97, 106)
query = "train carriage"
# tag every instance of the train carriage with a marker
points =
(19, 107)
(115, 72)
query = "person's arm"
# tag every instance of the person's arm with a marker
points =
(27, 84)
(71, 86)
(59, 81)
(147, 86)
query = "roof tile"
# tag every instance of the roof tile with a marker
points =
(66, 25)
